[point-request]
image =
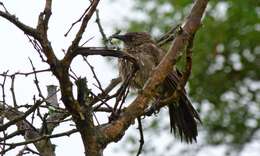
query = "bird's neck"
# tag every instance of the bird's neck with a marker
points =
(134, 48)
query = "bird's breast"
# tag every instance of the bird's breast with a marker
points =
(146, 64)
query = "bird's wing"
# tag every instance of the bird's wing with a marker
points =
(173, 78)
(182, 116)
(152, 49)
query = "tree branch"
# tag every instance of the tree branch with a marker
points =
(82, 28)
(44, 17)
(22, 117)
(13, 19)
(86, 51)
(40, 138)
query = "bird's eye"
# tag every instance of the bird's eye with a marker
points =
(130, 38)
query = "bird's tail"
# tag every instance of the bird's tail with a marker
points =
(183, 119)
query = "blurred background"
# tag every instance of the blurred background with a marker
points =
(225, 80)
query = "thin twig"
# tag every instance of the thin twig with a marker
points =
(36, 81)
(77, 21)
(2, 4)
(94, 74)
(3, 148)
(122, 91)
(77, 39)
(33, 117)
(101, 30)
(101, 100)
(169, 36)
(141, 141)
(25, 73)
(74, 76)
(87, 41)
(3, 88)
(37, 47)
(12, 91)
(96, 119)
(124, 98)
(14, 145)
(107, 90)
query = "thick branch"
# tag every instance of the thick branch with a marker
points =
(47, 11)
(25, 28)
(86, 51)
(44, 17)
(42, 29)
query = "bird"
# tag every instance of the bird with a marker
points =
(183, 116)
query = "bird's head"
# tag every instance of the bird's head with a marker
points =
(133, 39)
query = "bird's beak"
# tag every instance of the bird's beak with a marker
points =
(120, 37)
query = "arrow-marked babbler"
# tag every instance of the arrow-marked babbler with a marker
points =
(183, 117)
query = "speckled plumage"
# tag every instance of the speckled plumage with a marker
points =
(141, 46)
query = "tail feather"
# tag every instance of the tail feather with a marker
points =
(183, 119)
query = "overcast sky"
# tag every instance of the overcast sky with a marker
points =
(15, 50)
